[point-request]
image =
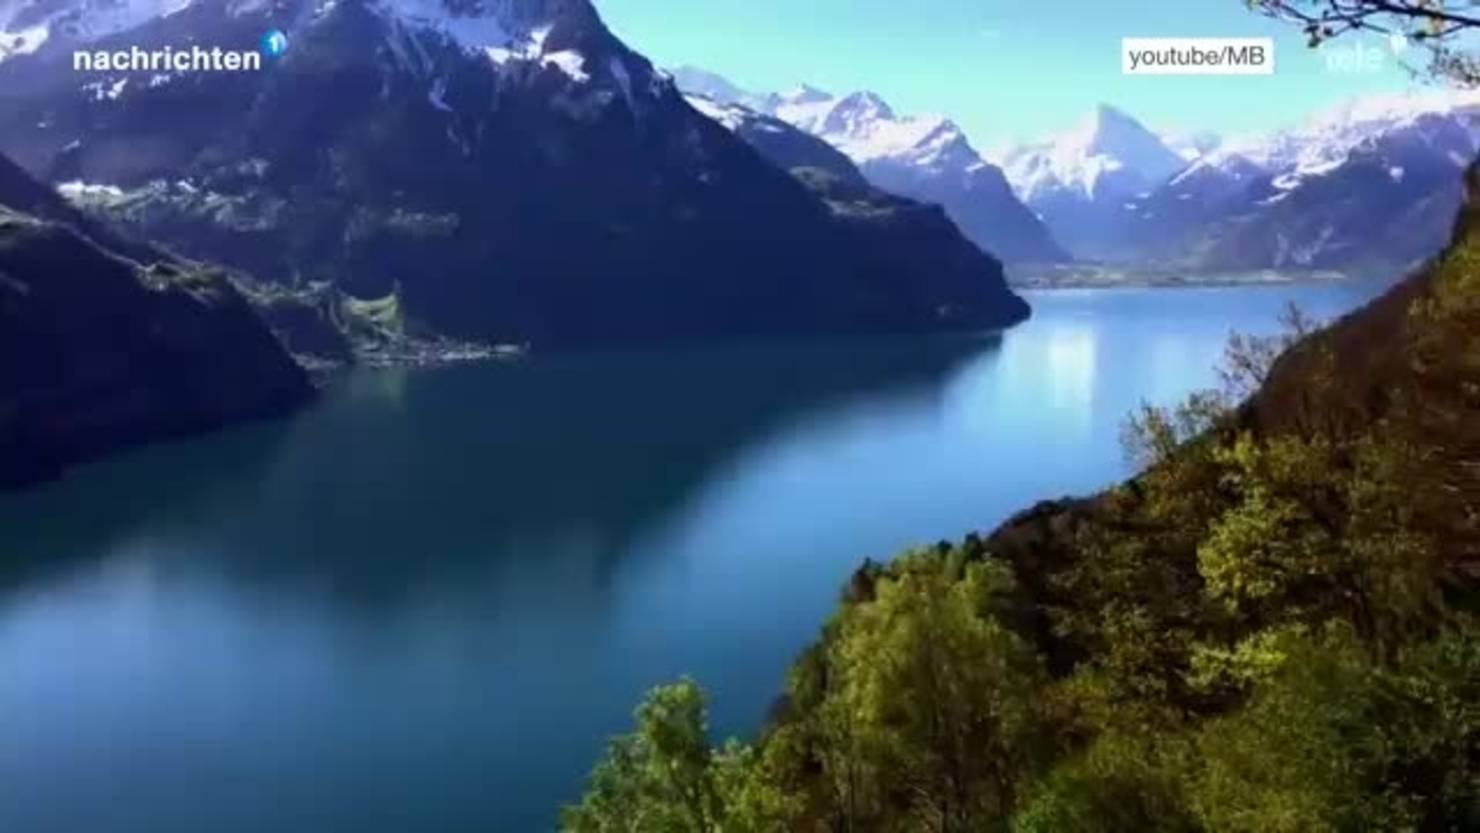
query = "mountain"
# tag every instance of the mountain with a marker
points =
(100, 351)
(1079, 181)
(890, 228)
(715, 87)
(924, 158)
(1367, 186)
(509, 170)
(785, 146)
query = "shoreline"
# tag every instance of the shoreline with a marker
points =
(1094, 276)
(413, 356)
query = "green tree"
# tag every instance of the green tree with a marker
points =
(1319, 528)
(1123, 783)
(934, 698)
(1333, 742)
(659, 778)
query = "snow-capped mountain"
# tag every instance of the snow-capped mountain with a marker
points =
(927, 158)
(715, 87)
(783, 144)
(1329, 137)
(1371, 183)
(508, 170)
(1107, 155)
(1079, 181)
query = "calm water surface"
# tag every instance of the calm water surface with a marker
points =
(423, 604)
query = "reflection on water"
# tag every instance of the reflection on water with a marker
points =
(1069, 361)
(462, 466)
(424, 603)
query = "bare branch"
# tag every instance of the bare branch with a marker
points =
(1432, 24)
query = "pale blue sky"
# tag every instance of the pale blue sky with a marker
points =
(1005, 69)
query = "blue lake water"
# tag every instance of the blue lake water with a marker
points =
(423, 604)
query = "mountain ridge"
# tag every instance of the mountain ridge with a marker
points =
(551, 188)
(928, 158)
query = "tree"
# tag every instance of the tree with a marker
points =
(658, 779)
(1332, 742)
(935, 698)
(1436, 25)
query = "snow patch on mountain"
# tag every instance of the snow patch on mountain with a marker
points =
(732, 116)
(27, 25)
(1191, 146)
(23, 41)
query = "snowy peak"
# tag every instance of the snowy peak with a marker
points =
(864, 126)
(855, 112)
(1108, 155)
(861, 124)
(1107, 121)
(1113, 134)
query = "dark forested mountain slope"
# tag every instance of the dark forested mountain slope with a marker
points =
(99, 351)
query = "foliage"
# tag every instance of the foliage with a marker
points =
(659, 778)
(1271, 628)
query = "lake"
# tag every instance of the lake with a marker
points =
(423, 604)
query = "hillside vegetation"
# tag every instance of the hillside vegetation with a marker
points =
(1272, 628)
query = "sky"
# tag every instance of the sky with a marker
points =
(1008, 70)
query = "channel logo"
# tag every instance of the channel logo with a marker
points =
(274, 43)
(195, 58)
